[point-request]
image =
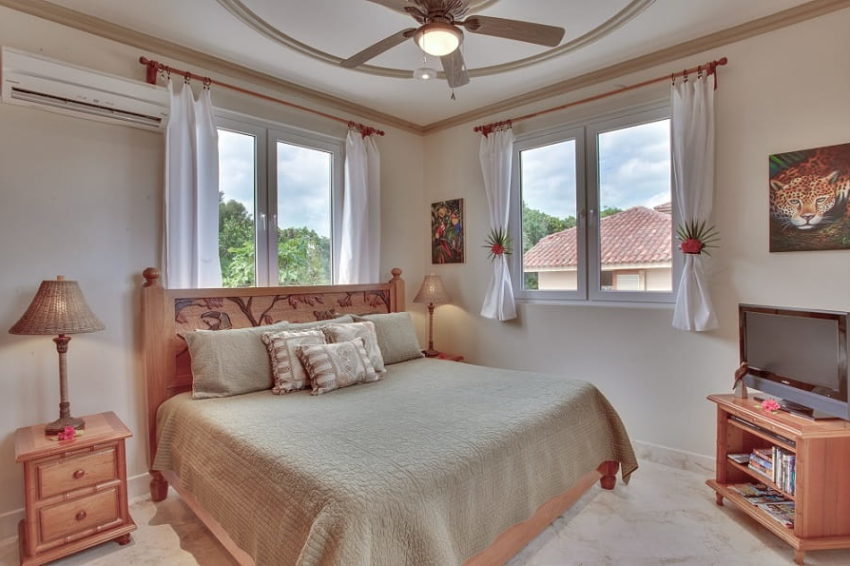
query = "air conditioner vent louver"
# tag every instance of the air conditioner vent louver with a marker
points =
(48, 84)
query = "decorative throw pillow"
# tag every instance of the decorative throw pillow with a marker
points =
(364, 330)
(289, 374)
(396, 336)
(229, 362)
(316, 324)
(333, 366)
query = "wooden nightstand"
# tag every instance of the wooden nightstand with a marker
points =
(75, 490)
(450, 357)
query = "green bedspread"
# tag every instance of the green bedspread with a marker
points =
(425, 467)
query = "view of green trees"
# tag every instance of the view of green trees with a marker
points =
(303, 256)
(537, 224)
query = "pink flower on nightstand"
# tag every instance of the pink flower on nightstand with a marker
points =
(770, 406)
(68, 434)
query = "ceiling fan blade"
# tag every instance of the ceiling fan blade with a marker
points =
(378, 48)
(528, 32)
(397, 5)
(455, 69)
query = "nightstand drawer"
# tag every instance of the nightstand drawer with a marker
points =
(76, 471)
(80, 517)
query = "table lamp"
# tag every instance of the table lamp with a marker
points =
(59, 308)
(433, 293)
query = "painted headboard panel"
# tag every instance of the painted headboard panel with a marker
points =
(167, 312)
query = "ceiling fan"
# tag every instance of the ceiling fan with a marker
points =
(440, 34)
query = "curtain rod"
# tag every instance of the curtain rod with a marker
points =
(708, 68)
(155, 67)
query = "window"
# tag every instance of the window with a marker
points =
(593, 211)
(279, 191)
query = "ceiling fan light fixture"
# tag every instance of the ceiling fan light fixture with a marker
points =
(424, 73)
(438, 38)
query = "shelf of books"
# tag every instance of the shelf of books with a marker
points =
(762, 502)
(774, 468)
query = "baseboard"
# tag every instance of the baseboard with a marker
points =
(674, 458)
(137, 489)
(9, 525)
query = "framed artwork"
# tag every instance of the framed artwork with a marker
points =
(447, 235)
(809, 192)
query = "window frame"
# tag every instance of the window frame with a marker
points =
(588, 197)
(267, 133)
(532, 141)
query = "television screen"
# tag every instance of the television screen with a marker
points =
(797, 355)
(799, 348)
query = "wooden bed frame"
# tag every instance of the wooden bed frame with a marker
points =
(167, 312)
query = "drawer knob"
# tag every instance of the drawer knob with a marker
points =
(81, 515)
(79, 473)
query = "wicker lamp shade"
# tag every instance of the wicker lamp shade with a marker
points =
(58, 308)
(432, 291)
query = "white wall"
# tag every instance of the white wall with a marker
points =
(557, 280)
(83, 199)
(658, 279)
(781, 91)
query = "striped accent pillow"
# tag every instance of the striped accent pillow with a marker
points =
(289, 374)
(334, 366)
(364, 330)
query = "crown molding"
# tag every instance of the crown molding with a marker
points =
(100, 27)
(740, 32)
(97, 26)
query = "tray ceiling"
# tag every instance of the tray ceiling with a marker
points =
(341, 28)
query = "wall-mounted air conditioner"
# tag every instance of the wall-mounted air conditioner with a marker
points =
(41, 82)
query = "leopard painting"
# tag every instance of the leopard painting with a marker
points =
(804, 194)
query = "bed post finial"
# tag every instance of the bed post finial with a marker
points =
(152, 277)
(396, 291)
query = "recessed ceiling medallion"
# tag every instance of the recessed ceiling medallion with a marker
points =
(263, 27)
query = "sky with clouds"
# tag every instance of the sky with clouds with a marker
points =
(634, 169)
(303, 180)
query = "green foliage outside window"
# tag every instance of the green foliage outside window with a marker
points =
(303, 255)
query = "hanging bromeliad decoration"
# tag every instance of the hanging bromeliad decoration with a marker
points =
(696, 237)
(498, 243)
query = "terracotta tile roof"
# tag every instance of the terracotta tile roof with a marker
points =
(666, 208)
(636, 235)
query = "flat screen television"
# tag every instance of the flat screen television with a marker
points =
(797, 355)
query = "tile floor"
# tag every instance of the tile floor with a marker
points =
(665, 516)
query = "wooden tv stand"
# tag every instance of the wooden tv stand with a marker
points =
(822, 449)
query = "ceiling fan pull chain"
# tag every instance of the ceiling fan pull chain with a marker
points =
(453, 97)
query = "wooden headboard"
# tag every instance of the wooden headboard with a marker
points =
(166, 312)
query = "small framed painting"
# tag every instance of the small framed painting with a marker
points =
(809, 192)
(447, 237)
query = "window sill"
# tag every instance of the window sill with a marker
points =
(607, 304)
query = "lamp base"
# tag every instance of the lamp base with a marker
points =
(59, 425)
(431, 353)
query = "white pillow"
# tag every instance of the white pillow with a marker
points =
(365, 330)
(288, 372)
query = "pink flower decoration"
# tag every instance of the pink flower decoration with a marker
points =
(68, 434)
(692, 246)
(770, 406)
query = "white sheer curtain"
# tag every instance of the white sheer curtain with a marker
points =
(496, 156)
(360, 244)
(692, 142)
(191, 192)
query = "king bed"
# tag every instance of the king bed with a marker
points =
(436, 463)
